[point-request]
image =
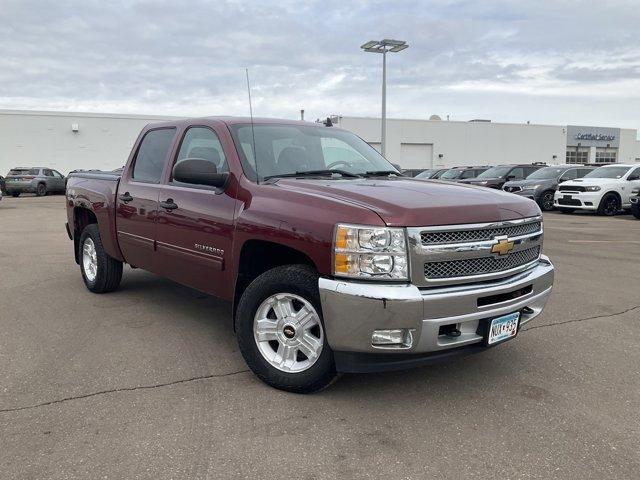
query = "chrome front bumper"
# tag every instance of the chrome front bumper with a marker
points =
(353, 310)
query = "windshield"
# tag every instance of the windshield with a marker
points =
(289, 149)
(426, 174)
(546, 173)
(450, 174)
(607, 172)
(495, 172)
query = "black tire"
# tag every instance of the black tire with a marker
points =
(566, 210)
(299, 280)
(609, 205)
(635, 210)
(546, 201)
(15, 194)
(41, 190)
(109, 271)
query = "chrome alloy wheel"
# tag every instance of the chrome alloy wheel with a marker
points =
(288, 332)
(89, 260)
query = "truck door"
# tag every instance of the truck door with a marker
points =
(195, 222)
(137, 200)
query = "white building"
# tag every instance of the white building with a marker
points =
(67, 141)
(438, 143)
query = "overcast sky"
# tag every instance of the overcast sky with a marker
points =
(553, 62)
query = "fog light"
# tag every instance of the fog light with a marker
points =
(400, 337)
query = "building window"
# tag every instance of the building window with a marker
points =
(577, 155)
(605, 155)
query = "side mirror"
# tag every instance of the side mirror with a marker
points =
(633, 177)
(197, 171)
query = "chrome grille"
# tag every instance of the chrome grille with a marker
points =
(478, 235)
(479, 266)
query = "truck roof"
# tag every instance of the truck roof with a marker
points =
(237, 120)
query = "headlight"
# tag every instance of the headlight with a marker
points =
(594, 188)
(530, 187)
(482, 183)
(370, 252)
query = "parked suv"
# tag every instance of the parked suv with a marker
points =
(542, 184)
(34, 180)
(606, 190)
(497, 176)
(457, 174)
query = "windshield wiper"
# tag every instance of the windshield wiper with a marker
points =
(314, 173)
(381, 173)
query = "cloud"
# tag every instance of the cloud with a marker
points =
(544, 60)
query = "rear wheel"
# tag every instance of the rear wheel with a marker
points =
(609, 205)
(280, 330)
(100, 272)
(41, 190)
(15, 194)
(546, 201)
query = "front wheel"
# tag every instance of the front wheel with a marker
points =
(609, 205)
(546, 201)
(100, 272)
(280, 330)
(15, 194)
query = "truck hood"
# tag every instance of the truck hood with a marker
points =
(407, 202)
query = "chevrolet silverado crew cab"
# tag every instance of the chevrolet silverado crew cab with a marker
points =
(332, 261)
(605, 190)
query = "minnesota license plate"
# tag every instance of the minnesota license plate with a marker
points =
(503, 328)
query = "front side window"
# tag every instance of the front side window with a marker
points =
(290, 149)
(48, 173)
(152, 155)
(517, 173)
(203, 143)
(571, 174)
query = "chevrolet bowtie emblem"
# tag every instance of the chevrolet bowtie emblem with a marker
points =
(503, 247)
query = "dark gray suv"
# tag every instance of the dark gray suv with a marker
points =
(38, 180)
(542, 184)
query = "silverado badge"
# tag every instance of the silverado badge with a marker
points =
(503, 247)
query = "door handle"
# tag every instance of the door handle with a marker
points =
(169, 204)
(125, 197)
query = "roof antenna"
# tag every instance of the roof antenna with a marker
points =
(253, 133)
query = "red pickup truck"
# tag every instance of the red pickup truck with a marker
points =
(333, 261)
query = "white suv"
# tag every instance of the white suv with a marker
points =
(606, 189)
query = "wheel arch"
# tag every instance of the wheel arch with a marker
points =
(81, 218)
(259, 256)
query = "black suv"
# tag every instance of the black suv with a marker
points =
(497, 176)
(542, 184)
(457, 174)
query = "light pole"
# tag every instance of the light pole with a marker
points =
(384, 46)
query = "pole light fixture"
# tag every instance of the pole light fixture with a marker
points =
(384, 46)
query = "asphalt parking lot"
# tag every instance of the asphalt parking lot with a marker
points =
(147, 382)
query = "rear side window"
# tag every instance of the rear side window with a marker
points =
(468, 174)
(152, 155)
(48, 173)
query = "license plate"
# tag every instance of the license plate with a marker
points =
(503, 328)
(567, 197)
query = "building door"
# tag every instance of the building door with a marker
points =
(416, 155)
